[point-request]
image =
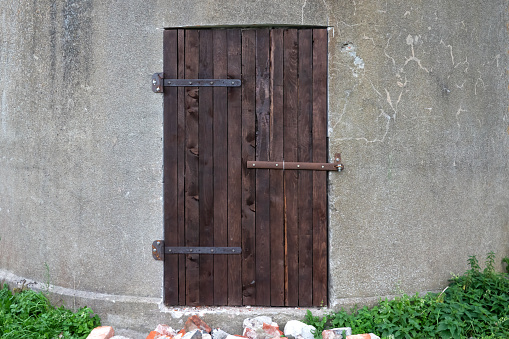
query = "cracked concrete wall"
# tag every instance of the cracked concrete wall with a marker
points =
(418, 107)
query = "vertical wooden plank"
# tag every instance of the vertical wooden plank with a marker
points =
(181, 131)
(248, 176)
(277, 279)
(234, 167)
(192, 192)
(262, 175)
(291, 55)
(206, 168)
(220, 65)
(304, 141)
(319, 177)
(170, 138)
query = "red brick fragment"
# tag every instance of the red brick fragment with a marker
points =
(166, 330)
(195, 323)
(363, 336)
(153, 334)
(101, 332)
(272, 329)
(157, 335)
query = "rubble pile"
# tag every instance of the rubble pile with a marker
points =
(254, 328)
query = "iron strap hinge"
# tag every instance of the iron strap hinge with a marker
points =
(287, 165)
(158, 83)
(158, 250)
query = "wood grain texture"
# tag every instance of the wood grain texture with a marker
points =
(277, 277)
(248, 176)
(290, 82)
(206, 170)
(170, 138)
(320, 231)
(304, 142)
(263, 112)
(220, 155)
(192, 192)
(234, 47)
(181, 165)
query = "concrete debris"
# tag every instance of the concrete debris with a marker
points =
(255, 328)
(261, 328)
(298, 329)
(166, 330)
(256, 322)
(218, 333)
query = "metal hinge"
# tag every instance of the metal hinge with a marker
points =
(286, 165)
(158, 83)
(158, 250)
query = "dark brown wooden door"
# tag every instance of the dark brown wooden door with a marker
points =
(278, 218)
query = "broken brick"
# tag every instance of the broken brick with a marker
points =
(272, 329)
(195, 323)
(166, 330)
(363, 336)
(101, 332)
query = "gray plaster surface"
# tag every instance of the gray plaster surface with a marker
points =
(418, 107)
(80, 144)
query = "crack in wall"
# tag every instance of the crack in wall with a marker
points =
(410, 41)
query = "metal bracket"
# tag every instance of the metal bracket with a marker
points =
(286, 165)
(158, 83)
(158, 250)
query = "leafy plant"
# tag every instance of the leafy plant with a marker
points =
(475, 304)
(29, 314)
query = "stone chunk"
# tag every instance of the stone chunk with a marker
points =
(297, 328)
(261, 328)
(234, 336)
(218, 333)
(337, 333)
(101, 332)
(195, 323)
(256, 322)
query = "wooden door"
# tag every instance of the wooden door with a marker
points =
(211, 199)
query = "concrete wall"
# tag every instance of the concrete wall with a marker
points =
(418, 107)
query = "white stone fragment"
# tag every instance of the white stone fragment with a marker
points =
(297, 328)
(218, 333)
(257, 322)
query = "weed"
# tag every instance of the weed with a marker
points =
(475, 304)
(29, 314)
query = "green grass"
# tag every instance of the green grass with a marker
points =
(28, 314)
(475, 304)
